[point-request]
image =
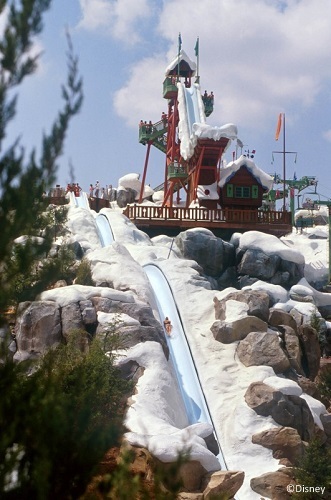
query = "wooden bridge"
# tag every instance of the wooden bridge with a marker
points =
(180, 218)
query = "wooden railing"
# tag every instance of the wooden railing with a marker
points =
(200, 214)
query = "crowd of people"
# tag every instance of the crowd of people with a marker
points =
(94, 191)
(104, 193)
(73, 187)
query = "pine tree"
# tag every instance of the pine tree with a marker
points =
(23, 178)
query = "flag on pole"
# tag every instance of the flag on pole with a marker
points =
(179, 42)
(196, 48)
(279, 126)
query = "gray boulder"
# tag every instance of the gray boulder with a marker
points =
(263, 348)
(213, 254)
(125, 196)
(268, 267)
(37, 328)
(71, 318)
(259, 265)
(286, 410)
(88, 312)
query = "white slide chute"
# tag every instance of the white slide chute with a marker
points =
(104, 230)
(193, 397)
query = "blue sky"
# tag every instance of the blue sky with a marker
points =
(260, 58)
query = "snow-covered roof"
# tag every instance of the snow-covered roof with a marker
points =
(182, 56)
(232, 168)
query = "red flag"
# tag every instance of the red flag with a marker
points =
(279, 126)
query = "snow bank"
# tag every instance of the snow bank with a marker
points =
(75, 293)
(269, 244)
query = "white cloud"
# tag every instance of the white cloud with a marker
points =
(258, 56)
(118, 18)
(327, 135)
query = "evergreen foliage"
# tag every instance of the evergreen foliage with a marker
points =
(23, 179)
(84, 274)
(314, 470)
(58, 422)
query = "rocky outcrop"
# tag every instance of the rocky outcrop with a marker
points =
(268, 267)
(222, 483)
(37, 328)
(42, 324)
(292, 347)
(309, 338)
(286, 410)
(196, 483)
(263, 348)
(71, 317)
(258, 264)
(228, 332)
(125, 196)
(213, 254)
(279, 317)
(274, 484)
(284, 442)
(257, 302)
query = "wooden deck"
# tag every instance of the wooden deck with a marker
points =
(270, 222)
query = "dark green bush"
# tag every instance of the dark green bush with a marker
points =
(84, 273)
(58, 422)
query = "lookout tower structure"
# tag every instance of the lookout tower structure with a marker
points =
(196, 189)
(192, 156)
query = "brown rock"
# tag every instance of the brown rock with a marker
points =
(261, 398)
(222, 482)
(285, 442)
(257, 301)
(273, 484)
(228, 332)
(262, 348)
(312, 351)
(189, 473)
(278, 317)
(186, 495)
(292, 347)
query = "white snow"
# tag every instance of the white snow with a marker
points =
(269, 244)
(132, 181)
(75, 293)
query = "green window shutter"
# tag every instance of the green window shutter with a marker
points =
(229, 190)
(255, 191)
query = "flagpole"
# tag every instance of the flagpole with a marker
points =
(284, 164)
(179, 47)
(197, 54)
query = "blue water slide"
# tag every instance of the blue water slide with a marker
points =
(188, 380)
(192, 108)
(104, 230)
